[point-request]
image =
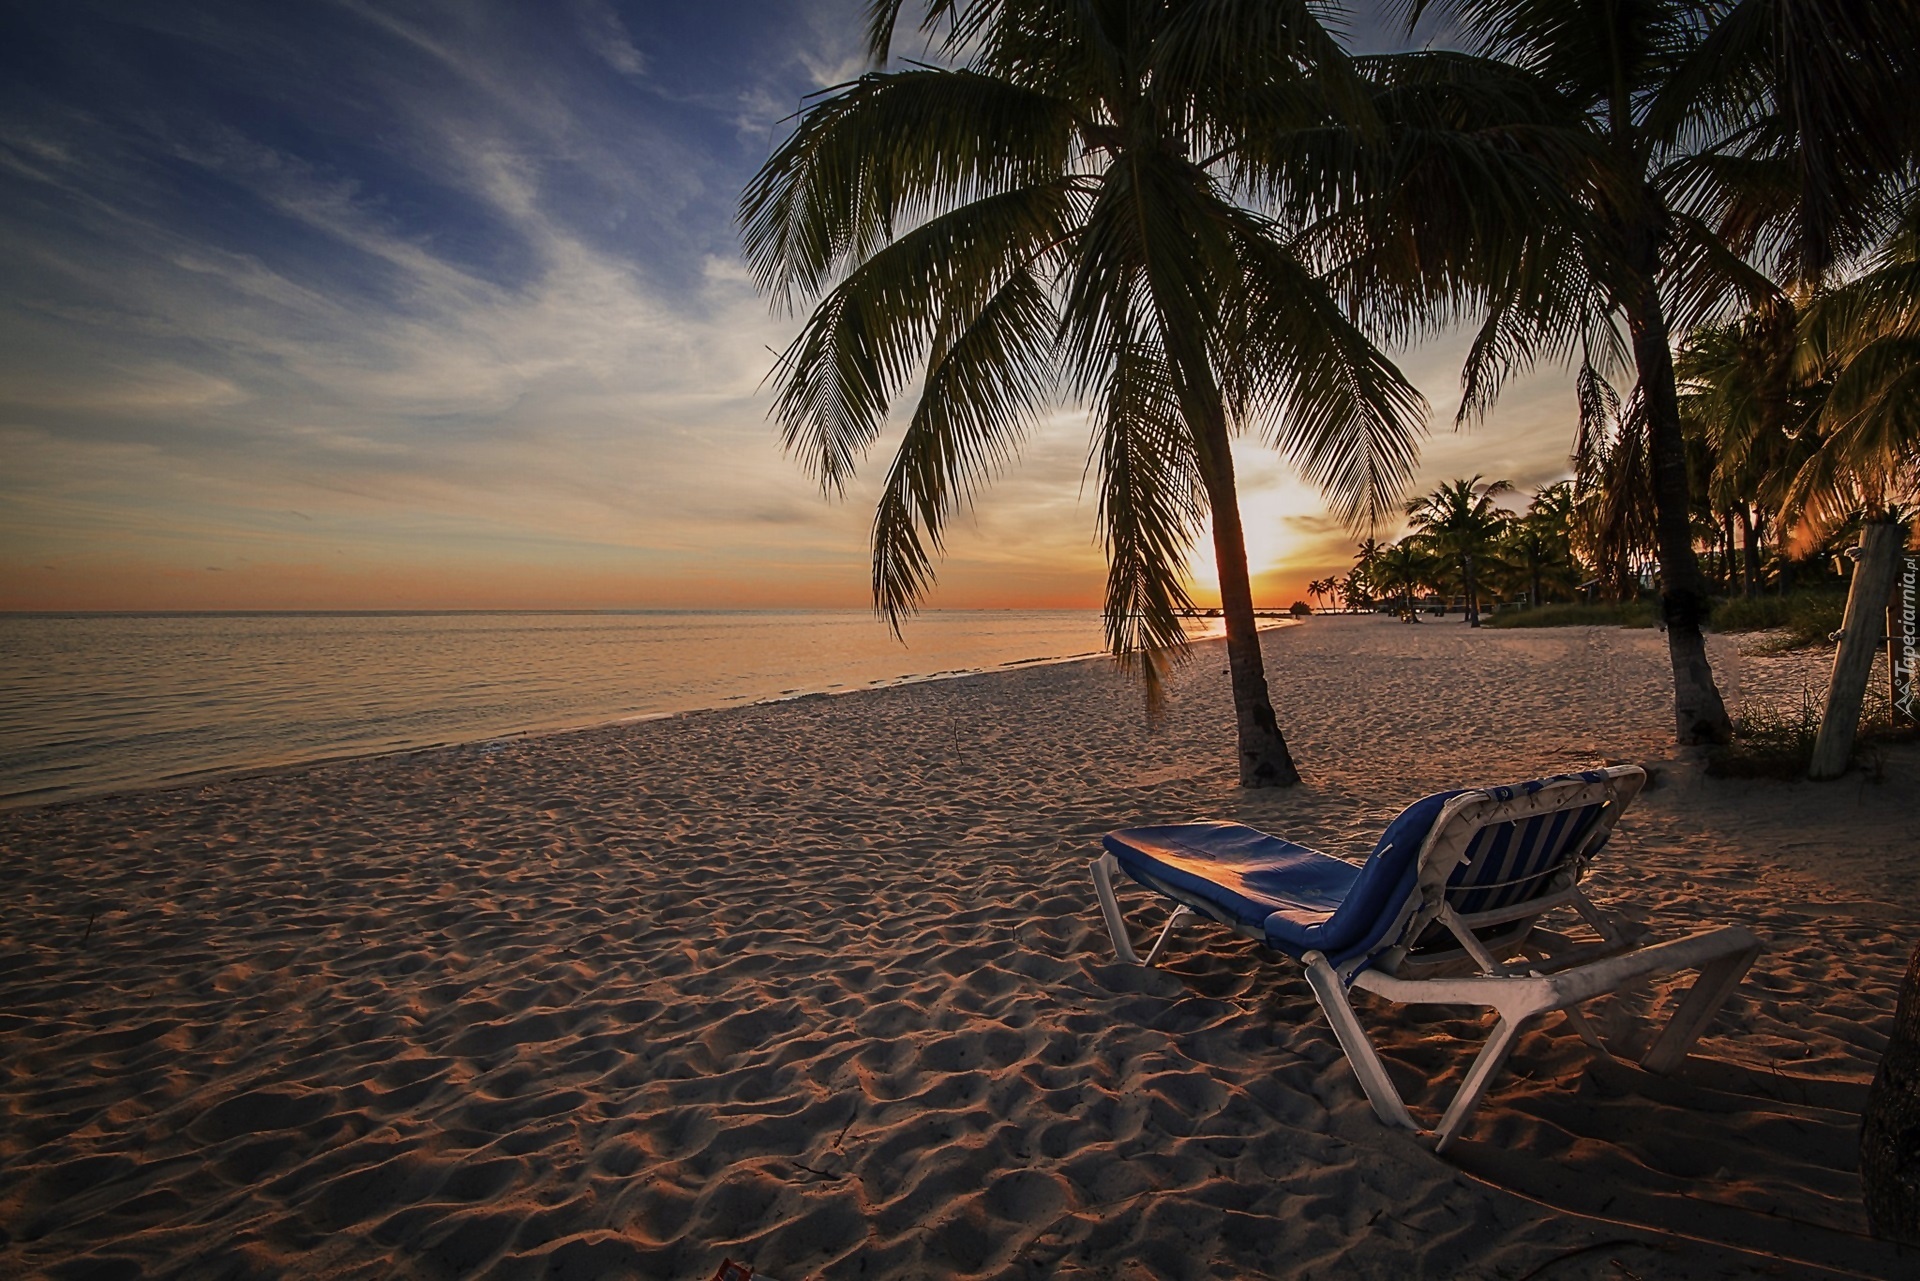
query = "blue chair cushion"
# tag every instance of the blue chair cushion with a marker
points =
(1301, 899)
(1232, 872)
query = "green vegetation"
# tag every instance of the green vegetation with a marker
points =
(1460, 521)
(1769, 742)
(1206, 220)
(1616, 613)
(1773, 742)
(1808, 618)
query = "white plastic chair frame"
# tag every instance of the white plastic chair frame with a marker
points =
(1520, 994)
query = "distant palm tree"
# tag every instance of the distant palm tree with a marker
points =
(1463, 522)
(1407, 567)
(1541, 540)
(1356, 589)
(1366, 569)
(1687, 133)
(1077, 205)
(1742, 394)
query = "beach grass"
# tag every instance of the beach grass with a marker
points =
(1776, 741)
(1803, 618)
(1607, 614)
(1807, 618)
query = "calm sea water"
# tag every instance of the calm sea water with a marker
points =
(95, 703)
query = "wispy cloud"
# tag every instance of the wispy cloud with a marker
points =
(450, 291)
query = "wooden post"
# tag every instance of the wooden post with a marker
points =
(1880, 546)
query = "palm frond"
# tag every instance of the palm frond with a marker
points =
(1221, 65)
(1819, 93)
(840, 374)
(883, 152)
(1704, 275)
(1152, 502)
(1599, 407)
(1614, 496)
(1314, 383)
(984, 385)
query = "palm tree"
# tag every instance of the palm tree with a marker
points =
(1463, 522)
(1072, 207)
(1865, 457)
(1741, 393)
(1860, 343)
(1356, 589)
(1688, 133)
(1541, 540)
(1364, 577)
(1406, 567)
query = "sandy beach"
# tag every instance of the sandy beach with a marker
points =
(820, 986)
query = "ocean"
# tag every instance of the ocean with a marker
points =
(93, 703)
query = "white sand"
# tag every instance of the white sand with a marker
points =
(820, 986)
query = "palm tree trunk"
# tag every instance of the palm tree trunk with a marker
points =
(1750, 552)
(1727, 544)
(1890, 1125)
(1473, 597)
(1264, 758)
(1698, 712)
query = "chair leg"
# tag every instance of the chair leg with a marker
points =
(1492, 1056)
(1332, 994)
(1584, 1026)
(1710, 991)
(1109, 908)
(1179, 913)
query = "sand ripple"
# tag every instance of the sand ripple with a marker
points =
(818, 985)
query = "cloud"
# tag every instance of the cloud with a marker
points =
(607, 35)
(448, 296)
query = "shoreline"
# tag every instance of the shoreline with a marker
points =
(19, 801)
(820, 984)
(10, 802)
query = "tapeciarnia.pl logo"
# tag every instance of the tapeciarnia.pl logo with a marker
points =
(1903, 667)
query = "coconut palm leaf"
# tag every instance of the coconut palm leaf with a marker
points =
(1817, 97)
(885, 151)
(984, 386)
(1152, 501)
(870, 333)
(1314, 384)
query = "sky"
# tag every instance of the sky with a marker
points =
(440, 304)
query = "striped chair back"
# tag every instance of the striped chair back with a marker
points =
(1513, 861)
(1497, 858)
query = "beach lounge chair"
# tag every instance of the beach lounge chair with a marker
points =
(1450, 897)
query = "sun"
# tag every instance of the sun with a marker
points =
(1289, 532)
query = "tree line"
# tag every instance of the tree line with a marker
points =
(1209, 218)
